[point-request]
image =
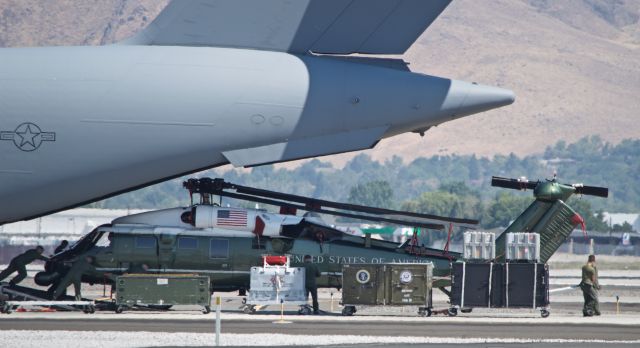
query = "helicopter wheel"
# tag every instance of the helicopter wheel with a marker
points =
(89, 309)
(424, 312)
(119, 309)
(466, 310)
(545, 313)
(348, 311)
(304, 310)
(452, 312)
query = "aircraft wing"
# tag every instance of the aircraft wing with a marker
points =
(297, 26)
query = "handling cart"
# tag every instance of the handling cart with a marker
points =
(276, 283)
(14, 297)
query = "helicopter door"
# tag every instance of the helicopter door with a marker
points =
(166, 251)
(219, 259)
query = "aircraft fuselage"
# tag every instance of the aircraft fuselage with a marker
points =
(82, 123)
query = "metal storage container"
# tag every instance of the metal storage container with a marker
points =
(479, 246)
(396, 284)
(527, 285)
(476, 285)
(276, 282)
(162, 291)
(500, 285)
(522, 246)
(273, 284)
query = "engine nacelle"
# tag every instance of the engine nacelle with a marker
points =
(235, 219)
(257, 222)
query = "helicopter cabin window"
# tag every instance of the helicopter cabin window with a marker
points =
(219, 249)
(187, 243)
(145, 242)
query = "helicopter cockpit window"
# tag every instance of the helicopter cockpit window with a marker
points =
(105, 240)
(187, 243)
(219, 249)
(145, 242)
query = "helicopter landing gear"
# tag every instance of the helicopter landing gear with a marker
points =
(452, 312)
(305, 310)
(249, 309)
(544, 313)
(424, 312)
(348, 311)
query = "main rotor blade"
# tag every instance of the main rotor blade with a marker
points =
(515, 184)
(317, 209)
(346, 206)
(592, 190)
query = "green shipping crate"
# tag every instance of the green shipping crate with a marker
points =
(394, 284)
(162, 291)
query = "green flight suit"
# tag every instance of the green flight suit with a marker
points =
(311, 272)
(590, 286)
(74, 276)
(19, 264)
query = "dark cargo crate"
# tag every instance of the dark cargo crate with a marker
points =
(495, 285)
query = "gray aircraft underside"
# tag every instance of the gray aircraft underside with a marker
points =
(82, 123)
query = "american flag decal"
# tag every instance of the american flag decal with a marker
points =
(232, 218)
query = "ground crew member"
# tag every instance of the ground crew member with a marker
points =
(20, 262)
(63, 245)
(310, 275)
(74, 275)
(590, 287)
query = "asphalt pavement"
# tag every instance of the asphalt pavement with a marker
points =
(582, 331)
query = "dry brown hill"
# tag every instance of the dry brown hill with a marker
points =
(574, 64)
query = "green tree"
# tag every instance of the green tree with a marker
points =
(373, 193)
(625, 227)
(593, 221)
(458, 188)
(504, 208)
(445, 204)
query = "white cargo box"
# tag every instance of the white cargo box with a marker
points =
(479, 245)
(272, 284)
(522, 246)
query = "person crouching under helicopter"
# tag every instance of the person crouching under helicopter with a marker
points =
(20, 262)
(74, 276)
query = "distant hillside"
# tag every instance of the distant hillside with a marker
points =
(573, 64)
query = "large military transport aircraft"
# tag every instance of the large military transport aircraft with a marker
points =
(224, 243)
(212, 82)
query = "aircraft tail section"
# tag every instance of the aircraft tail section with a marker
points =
(548, 215)
(555, 228)
(554, 221)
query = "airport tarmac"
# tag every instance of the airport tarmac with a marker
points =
(394, 327)
(389, 326)
(181, 328)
